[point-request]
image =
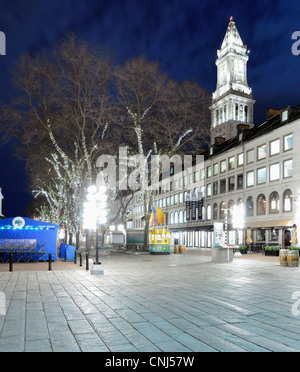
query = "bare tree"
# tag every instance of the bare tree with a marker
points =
(159, 116)
(60, 119)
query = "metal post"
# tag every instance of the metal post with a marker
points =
(87, 242)
(80, 259)
(10, 262)
(87, 261)
(97, 244)
(50, 262)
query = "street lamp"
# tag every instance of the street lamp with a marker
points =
(94, 215)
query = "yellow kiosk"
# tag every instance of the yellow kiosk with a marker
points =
(160, 241)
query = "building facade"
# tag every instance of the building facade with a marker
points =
(256, 167)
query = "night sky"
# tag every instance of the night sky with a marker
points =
(183, 35)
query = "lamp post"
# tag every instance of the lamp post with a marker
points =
(94, 215)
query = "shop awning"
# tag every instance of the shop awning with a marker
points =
(270, 224)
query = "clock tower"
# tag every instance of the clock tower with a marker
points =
(232, 102)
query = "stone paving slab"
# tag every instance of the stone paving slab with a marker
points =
(143, 303)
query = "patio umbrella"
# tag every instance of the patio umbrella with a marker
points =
(249, 240)
(294, 240)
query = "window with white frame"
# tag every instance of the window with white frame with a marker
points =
(275, 147)
(288, 142)
(288, 168)
(261, 152)
(208, 190)
(250, 156)
(250, 179)
(231, 163)
(240, 159)
(274, 172)
(261, 175)
(216, 169)
(223, 166)
(287, 200)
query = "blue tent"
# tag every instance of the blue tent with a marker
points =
(23, 229)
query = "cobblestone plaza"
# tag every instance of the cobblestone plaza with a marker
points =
(147, 303)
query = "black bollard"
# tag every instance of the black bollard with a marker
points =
(87, 261)
(50, 262)
(80, 259)
(10, 262)
(75, 257)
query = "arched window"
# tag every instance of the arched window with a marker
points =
(222, 210)
(249, 206)
(287, 201)
(261, 205)
(230, 207)
(240, 201)
(180, 217)
(215, 211)
(175, 218)
(171, 218)
(274, 202)
(208, 214)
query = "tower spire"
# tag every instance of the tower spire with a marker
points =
(232, 100)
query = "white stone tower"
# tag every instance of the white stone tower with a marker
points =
(232, 102)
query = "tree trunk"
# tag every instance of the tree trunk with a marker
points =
(70, 238)
(77, 240)
(146, 234)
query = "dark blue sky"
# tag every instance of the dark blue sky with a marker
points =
(183, 35)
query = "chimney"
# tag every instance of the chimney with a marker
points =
(241, 127)
(272, 112)
(219, 140)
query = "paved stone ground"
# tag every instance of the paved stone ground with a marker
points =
(143, 303)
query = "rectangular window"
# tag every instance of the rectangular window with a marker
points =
(208, 190)
(261, 152)
(250, 179)
(240, 159)
(176, 199)
(261, 175)
(284, 115)
(288, 142)
(223, 166)
(208, 171)
(222, 186)
(250, 156)
(288, 168)
(231, 183)
(216, 169)
(215, 188)
(231, 163)
(246, 114)
(275, 147)
(240, 183)
(274, 172)
(261, 235)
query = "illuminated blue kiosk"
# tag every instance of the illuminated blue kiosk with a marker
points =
(27, 239)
